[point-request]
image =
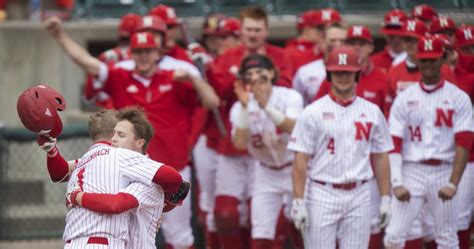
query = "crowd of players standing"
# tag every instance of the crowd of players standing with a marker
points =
(250, 198)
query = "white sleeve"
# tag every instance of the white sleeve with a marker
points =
(396, 120)
(193, 70)
(99, 81)
(295, 106)
(463, 114)
(137, 167)
(303, 138)
(147, 196)
(381, 141)
(298, 82)
(234, 115)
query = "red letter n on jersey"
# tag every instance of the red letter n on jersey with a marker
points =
(444, 118)
(362, 131)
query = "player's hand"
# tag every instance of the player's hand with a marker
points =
(299, 214)
(242, 93)
(385, 212)
(178, 197)
(446, 193)
(46, 142)
(181, 75)
(198, 53)
(261, 96)
(401, 193)
(53, 25)
(71, 199)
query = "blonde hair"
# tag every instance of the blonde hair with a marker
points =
(102, 124)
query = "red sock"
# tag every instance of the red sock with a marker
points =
(282, 231)
(431, 245)
(414, 244)
(375, 241)
(464, 237)
(246, 235)
(261, 244)
(226, 216)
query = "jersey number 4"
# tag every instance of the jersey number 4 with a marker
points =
(330, 146)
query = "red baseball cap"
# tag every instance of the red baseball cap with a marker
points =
(229, 26)
(424, 12)
(464, 35)
(447, 42)
(442, 23)
(128, 24)
(414, 28)
(343, 58)
(309, 18)
(430, 47)
(211, 23)
(329, 16)
(151, 23)
(359, 32)
(142, 40)
(393, 21)
(167, 13)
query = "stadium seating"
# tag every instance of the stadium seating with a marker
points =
(108, 8)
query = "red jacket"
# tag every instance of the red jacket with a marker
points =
(222, 74)
(466, 83)
(302, 52)
(179, 53)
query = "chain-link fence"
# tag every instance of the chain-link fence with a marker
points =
(31, 206)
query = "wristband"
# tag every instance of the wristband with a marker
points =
(452, 186)
(276, 115)
(53, 152)
(243, 119)
(73, 198)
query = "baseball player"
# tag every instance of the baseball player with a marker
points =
(424, 13)
(407, 73)
(444, 25)
(168, 15)
(235, 169)
(160, 92)
(262, 122)
(336, 139)
(431, 125)
(309, 77)
(393, 52)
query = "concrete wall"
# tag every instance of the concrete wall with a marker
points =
(29, 56)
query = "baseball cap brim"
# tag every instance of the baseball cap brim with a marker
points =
(429, 55)
(142, 46)
(343, 68)
(359, 38)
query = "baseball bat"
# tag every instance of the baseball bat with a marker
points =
(188, 38)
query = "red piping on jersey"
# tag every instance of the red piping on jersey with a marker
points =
(438, 86)
(343, 102)
(109, 203)
(464, 139)
(58, 167)
(168, 178)
(397, 143)
(103, 142)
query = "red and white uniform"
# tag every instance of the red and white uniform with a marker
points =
(104, 169)
(428, 123)
(268, 145)
(387, 59)
(144, 220)
(340, 138)
(309, 78)
(406, 74)
(302, 52)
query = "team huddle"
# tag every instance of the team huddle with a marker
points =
(324, 142)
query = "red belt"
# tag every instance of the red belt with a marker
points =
(344, 186)
(277, 167)
(432, 162)
(95, 240)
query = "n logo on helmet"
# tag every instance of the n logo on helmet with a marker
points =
(357, 31)
(147, 21)
(342, 59)
(418, 10)
(467, 34)
(428, 45)
(170, 13)
(326, 15)
(395, 19)
(141, 38)
(411, 25)
(443, 22)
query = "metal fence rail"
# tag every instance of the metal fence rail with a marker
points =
(30, 205)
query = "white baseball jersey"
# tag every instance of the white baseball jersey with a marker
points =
(340, 139)
(308, 79)
(104, 169)
(268, 145)
(144, 220)
(428, 121)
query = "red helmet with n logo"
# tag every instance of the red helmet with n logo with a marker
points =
(343, 58)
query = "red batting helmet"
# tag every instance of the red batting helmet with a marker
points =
(38, 108)
(128, 24)
(151, 23)
(167, 13)
(392, 22)
(359, 32)
(343, 58)
(142, 40)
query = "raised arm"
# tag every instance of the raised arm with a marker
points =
(206, 93)
(58, 168)
(78, 54)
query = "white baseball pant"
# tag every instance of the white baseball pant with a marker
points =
(95, 243)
